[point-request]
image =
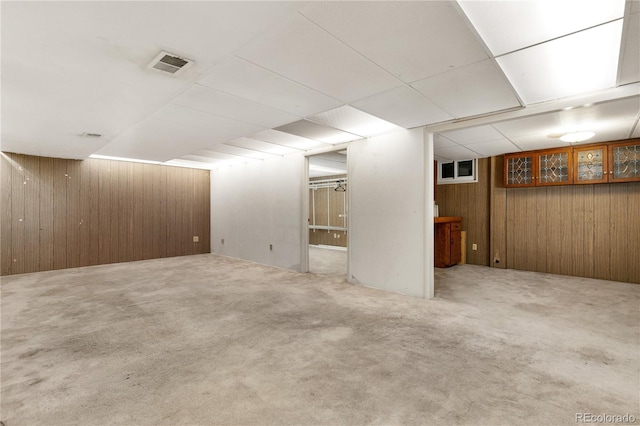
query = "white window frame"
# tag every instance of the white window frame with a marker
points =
(456, 178)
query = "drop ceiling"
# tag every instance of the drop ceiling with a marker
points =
(275, 78)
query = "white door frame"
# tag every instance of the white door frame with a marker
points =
(304, 237)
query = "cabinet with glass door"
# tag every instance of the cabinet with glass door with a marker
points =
(538, 168)
(614, 162)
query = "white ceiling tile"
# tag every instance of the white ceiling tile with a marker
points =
(156, 140)
(613, 116)
(529, 125)
(413, 40)
(303, 52)
(214, 128)
(327, 163)
(221, 104)
(190, 164)
(440, 141)
(635, 6)
(287, 139)
(354, 121)
(262, 146)
(630, 60)
(456, 153)
(537, 141)
(84, 64)
(470, 90)
(311, 130)
(506, 26)
(246, 80)
(474, 134)
(213, 158)
(242, 152)
(575, 64)
(174, 131)
(496, 147)
(608, 130)
(404, 107)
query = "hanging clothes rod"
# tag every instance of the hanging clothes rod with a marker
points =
(329, 183)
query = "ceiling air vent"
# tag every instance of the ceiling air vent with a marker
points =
(169, 63)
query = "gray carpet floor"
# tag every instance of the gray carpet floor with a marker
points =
(203, 340)
(327, 261)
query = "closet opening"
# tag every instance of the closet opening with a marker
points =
(328, 187)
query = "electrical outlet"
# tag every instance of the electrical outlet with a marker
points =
(196, 238)
(474, 247)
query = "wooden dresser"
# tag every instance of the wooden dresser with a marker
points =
(448, 243)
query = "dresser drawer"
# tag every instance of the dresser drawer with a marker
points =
(456, 226)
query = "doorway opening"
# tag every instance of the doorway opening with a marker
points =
(328, 187)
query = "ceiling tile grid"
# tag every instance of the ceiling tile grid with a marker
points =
(582, 62)
(403, 106)
(246, 80)
(411, 40)
(630, 60)
(272, 78)
(202, 98)
(470, 90)
(305, 53)
(506, 26)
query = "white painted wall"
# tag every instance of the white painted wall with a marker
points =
(387, 232)
(257, 204)
(390, 179)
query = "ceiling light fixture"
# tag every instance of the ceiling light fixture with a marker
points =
(577, 136)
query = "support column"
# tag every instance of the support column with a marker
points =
(428, 213)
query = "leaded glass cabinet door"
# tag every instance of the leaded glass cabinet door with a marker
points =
(624, 161)
(590, 165)
(519, 170)
(554, 167)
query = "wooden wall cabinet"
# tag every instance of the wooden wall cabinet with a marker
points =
(540, 168)
(617, 162)
(590, 165)
(554, 167)
(624, 161)
(519, 169)
(448, 241)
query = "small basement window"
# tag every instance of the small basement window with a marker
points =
(464, 171)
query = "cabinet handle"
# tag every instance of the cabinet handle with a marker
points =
(610, 172)
(605, 172)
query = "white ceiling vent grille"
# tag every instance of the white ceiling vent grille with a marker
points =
(169, 63)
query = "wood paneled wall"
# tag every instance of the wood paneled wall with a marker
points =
(471, 201)
(588, 231)
(336, 202)
(580, 230)
(59, 213)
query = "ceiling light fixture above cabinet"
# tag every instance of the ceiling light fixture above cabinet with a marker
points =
(577, 136)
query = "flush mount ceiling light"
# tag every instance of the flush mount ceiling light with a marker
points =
(169, 63)
(577, 136)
